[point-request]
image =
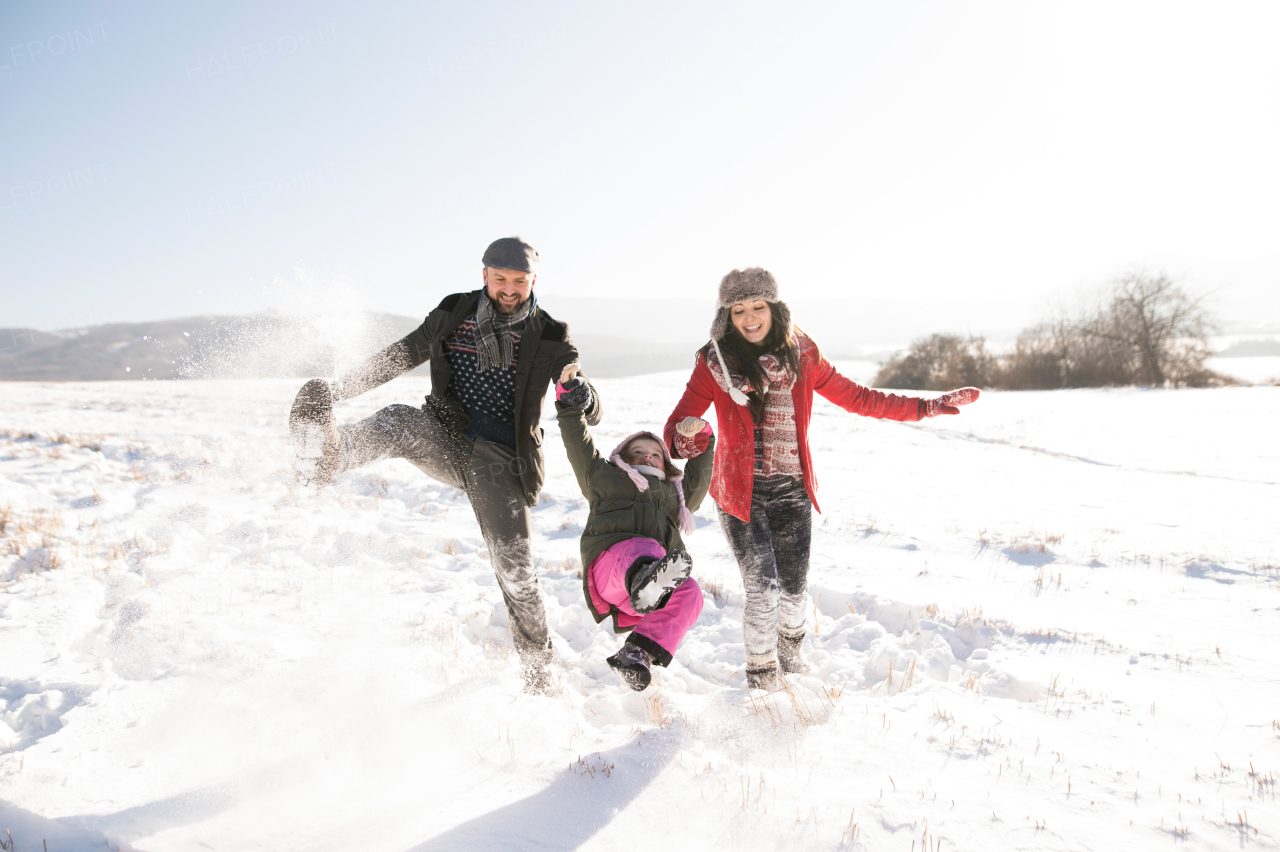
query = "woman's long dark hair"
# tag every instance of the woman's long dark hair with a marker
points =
(743, 356)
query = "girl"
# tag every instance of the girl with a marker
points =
(761, 372)
(635, 566)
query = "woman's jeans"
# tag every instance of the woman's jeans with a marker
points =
(772, 550)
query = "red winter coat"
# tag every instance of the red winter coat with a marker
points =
(734, 469)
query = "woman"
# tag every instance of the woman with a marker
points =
(761, 372)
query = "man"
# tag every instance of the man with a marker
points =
(493, 352)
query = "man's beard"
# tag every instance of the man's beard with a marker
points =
(504, 308)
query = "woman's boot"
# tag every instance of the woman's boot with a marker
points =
(762, 672)
(789, 658)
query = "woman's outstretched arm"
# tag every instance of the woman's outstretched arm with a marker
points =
(853, 397)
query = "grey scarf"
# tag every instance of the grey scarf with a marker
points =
(494, 330)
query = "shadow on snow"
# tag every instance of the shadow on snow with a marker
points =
(569, 812)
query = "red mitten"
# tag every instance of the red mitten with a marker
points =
(693, 436)
(948, 402)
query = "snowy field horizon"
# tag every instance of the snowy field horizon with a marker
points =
(301, 342)
(1043, 624)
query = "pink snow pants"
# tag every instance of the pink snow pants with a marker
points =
(608, 585)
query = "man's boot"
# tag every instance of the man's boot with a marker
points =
(314, 432)
(533, 668)
(789, 659)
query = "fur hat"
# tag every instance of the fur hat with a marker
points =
(686, 517)
(746, 285)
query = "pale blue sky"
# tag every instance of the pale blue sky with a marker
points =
(163, 160)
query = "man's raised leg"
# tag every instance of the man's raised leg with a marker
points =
(405, 432)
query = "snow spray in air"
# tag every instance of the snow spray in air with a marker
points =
(316, 329)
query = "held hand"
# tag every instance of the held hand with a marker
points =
(948, 403)
(691, 426)
(572, 390)
(693, 436)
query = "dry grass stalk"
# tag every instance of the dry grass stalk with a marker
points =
(567, 565)
(851, 830)
(655, 711)
(976, 611)
(746, 791)
(909, 678)
(497, 657)
(805, 714)
(592, 766)
(444, 637)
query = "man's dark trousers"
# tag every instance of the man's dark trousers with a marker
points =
(490, 475)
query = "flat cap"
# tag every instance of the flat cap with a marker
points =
(511, 253)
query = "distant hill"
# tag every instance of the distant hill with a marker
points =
(266, 345)
(616, 338)
(1252, 349)
(263, 345)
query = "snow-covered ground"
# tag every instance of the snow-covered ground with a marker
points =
(1050, 623)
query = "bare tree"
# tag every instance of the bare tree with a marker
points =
(1037, 362)
(938, 362)
(1141, 328)
(1151, 331)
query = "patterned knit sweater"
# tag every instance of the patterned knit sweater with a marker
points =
(777, 446)
(489, 397)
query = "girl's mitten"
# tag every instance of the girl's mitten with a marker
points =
(575, 393)
(572, 390)
(693, 436)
